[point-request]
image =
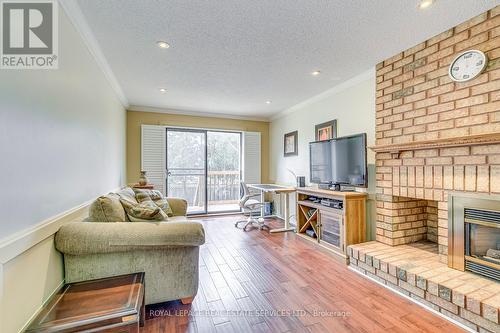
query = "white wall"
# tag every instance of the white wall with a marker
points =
(352, 103)
(62, 136)
(62, 143)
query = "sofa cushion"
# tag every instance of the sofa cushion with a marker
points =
(143, 211)
(144, 194)
(80, 238)
(155, 196)
(107, 208)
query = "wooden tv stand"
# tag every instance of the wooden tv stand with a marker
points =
(334, 229)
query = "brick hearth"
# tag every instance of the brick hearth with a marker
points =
(416, 271)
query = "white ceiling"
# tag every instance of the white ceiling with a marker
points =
(231, 56)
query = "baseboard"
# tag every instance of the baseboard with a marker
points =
(37, 312)
(468, 329)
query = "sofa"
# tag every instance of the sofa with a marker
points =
(107, 244)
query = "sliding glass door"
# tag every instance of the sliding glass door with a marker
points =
(224, 171)
(187, 167)
(204, 167)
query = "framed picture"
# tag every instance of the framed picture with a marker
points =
(291, 142)
(326, 131)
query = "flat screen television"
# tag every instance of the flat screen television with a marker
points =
(339, 161)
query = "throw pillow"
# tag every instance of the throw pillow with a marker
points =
(127, 193)
(164, 206)
(146, 210)
(107, 208)
(155, 196)
(144, 194)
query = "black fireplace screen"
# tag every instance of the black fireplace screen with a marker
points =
(482, 242)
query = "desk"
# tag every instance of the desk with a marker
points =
(264, 188)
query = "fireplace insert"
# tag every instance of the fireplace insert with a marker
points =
(482, 242)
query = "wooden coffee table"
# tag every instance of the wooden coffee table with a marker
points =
(114, 304)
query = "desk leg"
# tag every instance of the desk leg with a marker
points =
(287, 218)
(263, 200)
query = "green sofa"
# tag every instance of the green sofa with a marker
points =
(168, 252)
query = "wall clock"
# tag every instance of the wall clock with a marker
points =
(467, 65)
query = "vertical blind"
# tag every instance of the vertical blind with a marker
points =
(153, 155)
(251, 157)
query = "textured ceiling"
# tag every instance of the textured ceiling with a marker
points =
(231, 56)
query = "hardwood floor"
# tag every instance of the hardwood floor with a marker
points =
(251, 281)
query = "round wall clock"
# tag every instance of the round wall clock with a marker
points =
(467, 65)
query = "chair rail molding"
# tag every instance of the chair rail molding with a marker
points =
(14, 245)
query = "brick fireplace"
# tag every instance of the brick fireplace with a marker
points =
(434, 135)
(437, 141)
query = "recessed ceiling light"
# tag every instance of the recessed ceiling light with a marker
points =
(425, 4)
(315, 73)
(163, 45)
(163, 90)
(268, 102)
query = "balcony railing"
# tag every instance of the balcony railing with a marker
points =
(223, 188)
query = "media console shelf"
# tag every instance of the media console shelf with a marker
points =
(332, 228)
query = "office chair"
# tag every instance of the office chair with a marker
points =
(250, 206)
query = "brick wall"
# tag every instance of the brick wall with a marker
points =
(416, 101)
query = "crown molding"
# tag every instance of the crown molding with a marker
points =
(369, 74)
(76, 17)
(139, 108)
